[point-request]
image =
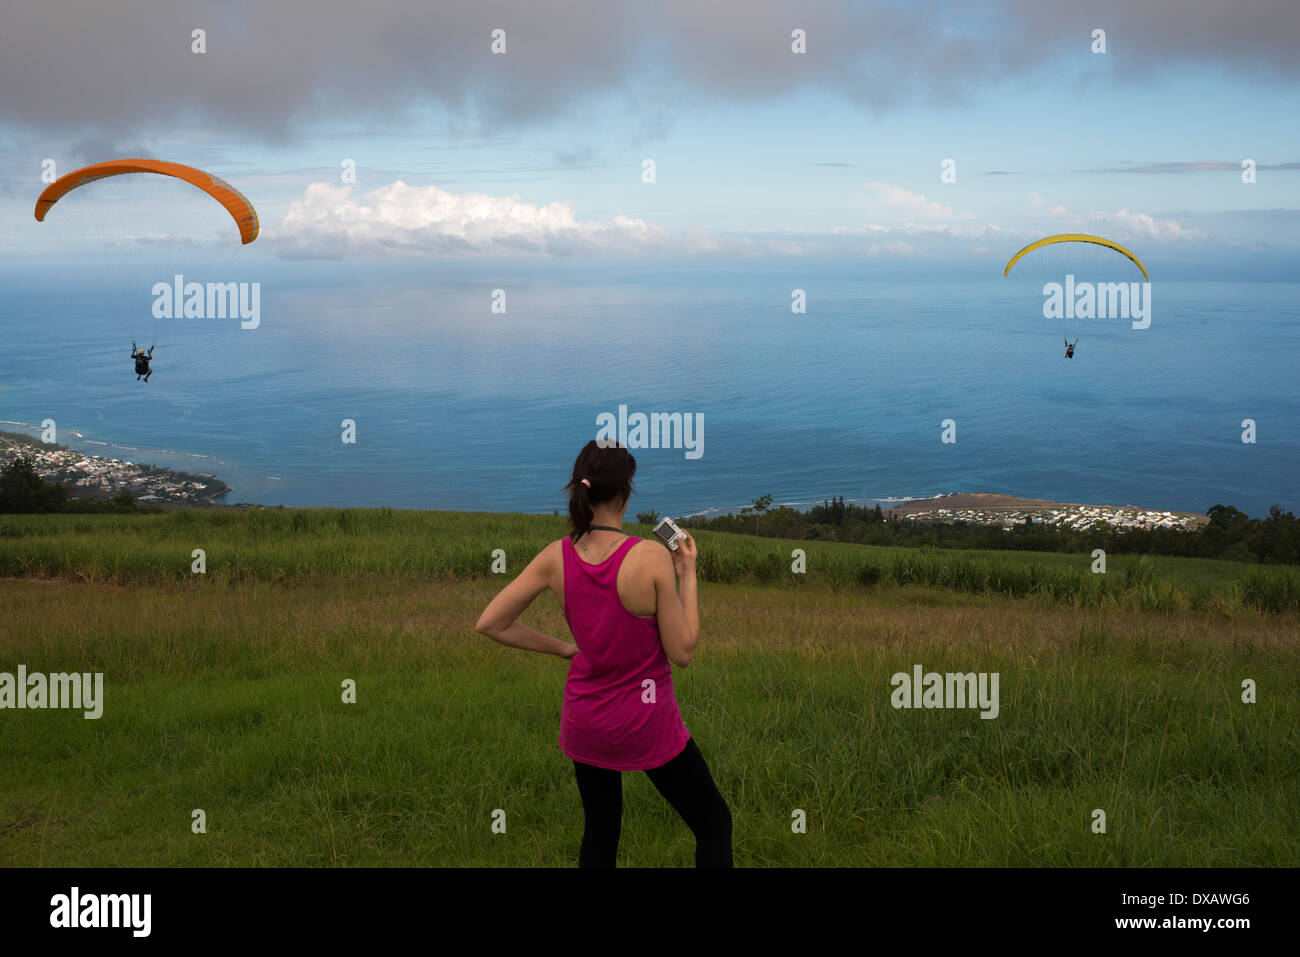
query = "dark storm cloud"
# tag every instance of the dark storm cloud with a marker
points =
(1250, 37)
(272, 67)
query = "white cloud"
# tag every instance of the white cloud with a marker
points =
(402, 220)
(970, 231)
(399, 219)
(1148, 227)
(1122, 224)
(893, 202)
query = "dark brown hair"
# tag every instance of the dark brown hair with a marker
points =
(610, 471)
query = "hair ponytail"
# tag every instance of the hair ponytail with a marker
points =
(580, 513)
(600, 474)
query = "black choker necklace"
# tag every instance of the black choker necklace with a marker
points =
(605, 528)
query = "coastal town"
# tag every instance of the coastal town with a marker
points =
(92, 476)
(1077, 518)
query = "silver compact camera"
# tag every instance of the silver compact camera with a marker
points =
(668, 533)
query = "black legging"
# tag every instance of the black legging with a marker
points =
(684, 782)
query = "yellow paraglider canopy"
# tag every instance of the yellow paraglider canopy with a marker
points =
(235, 203)
(1076, 238)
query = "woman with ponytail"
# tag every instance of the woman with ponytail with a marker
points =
(631, 605)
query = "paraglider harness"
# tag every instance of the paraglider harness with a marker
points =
(1069, 348)
(141, 360)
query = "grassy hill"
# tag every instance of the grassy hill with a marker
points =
(296, 545)
(223, 692)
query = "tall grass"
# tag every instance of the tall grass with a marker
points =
(293, 545)
(1270, 589)
(228, 699)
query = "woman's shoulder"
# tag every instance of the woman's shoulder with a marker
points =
(551, 557)
(553, 552)
(644, 551)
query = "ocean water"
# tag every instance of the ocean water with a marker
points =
(460, 408)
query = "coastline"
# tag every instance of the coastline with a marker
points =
(89, 476)
(171, 486)
(999, 502)
(994, 508)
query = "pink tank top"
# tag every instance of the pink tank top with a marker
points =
(609, 719)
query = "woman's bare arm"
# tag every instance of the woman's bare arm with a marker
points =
(676, 603)
(500, 620)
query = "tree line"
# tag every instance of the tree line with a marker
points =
(1231, 534)
(24, 492)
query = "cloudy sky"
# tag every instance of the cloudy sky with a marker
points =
(539, 151)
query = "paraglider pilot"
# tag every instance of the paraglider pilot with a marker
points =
(1069, 348)
(142, 362)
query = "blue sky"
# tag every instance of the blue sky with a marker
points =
(826, 154)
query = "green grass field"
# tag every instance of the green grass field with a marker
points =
(290, 545)
(223, 693)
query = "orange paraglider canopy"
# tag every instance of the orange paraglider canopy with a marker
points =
(239, 208)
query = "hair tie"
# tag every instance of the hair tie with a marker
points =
(586, 483)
